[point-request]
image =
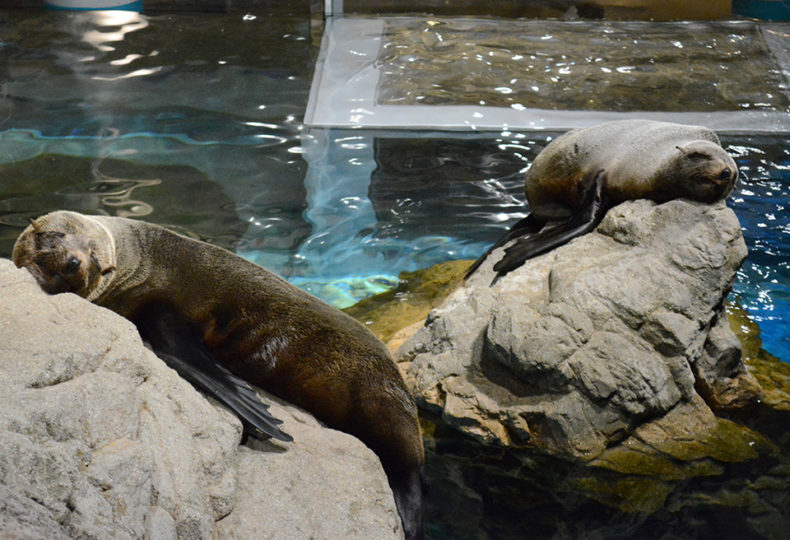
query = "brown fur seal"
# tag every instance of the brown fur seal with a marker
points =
(581, 174)
(205, 311)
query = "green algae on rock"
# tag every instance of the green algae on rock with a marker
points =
(772, 373)
(410, 302)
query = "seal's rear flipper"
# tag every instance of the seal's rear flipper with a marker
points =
(592, 210)
(178, 344)
(408, 489)
(528, 225)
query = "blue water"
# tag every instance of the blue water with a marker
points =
(761, 202)
(339, 213)
(205, 135)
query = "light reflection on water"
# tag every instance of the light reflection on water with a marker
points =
(202, 132)
(762, 203)
(342, 213)
(605, 66)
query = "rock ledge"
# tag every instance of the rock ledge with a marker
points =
(99, 439)
(578, 348)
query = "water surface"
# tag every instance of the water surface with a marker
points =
(195, 121)
(203, 132)
(584, 66)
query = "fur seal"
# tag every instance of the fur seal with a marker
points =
(581, 174)
(221, 320)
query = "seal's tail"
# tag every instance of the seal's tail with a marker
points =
(408, 490)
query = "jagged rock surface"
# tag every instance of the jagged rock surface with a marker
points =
(99, 439)
(579, 347)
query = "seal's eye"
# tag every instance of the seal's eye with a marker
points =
(72, 265)
(725, 174)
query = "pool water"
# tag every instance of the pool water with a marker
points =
(205, 135)
(611, 66)
(762, 204)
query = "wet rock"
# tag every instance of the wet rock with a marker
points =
(577, 349)
(721, 374)
(98, 438)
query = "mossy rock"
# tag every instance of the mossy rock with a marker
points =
(772, 373)
(675, 458)
(638, 477)
(728, 442)
(415, 296)
(632, 494)
(634, 457)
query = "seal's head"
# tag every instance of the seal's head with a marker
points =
(66, 252)
(705, 171)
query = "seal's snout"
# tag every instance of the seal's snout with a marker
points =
(725, 177)
(55, 284)
(60, 270)
(72, 265)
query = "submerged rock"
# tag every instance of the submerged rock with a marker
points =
(99, 439)
(772, 373)
(389, 315)
(580, 347)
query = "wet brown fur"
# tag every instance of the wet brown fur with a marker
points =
(641, 159)
(265, 330)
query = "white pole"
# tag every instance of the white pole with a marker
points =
(333, 8)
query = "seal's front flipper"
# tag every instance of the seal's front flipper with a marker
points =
(176, 342)
(592, 210)
(527, 225)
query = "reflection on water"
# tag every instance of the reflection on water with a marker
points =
(204, 134)
(579, 66)
(478, 182)
(213, 112)
(110, 186)
(194, 121)
(762, 203)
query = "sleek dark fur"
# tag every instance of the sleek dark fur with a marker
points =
(581, 174)
(223, 322)
(533, 238)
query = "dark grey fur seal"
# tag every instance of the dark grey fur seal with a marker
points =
(220, 320)
(581, 174)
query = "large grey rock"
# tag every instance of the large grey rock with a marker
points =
(99, 439)
(579, 347)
